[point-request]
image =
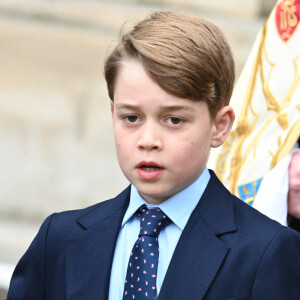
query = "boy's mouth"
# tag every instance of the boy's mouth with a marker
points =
(149, 170)
(149, 166)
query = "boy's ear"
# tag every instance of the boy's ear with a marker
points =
(111, 106)
(222, 126)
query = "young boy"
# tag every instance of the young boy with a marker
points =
(169, 80)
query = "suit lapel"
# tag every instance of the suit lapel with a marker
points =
(89, 256)
(200, 253)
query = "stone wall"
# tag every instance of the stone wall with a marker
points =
(232, 7)
(56, 140)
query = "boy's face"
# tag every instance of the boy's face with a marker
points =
(162, 141)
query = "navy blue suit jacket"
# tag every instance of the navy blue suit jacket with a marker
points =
(227, 251)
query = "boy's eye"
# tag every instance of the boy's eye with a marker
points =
(131, 118)
(174, 120)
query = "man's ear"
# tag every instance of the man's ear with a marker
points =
(111, 106)
(222, 126)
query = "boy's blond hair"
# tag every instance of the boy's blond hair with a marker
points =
(187, 56)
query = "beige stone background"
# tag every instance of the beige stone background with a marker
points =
(56, 142)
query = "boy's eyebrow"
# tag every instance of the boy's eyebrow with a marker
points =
(166, 108)
(126, 106)
(177, 107)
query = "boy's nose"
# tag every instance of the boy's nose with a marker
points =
(150, 138)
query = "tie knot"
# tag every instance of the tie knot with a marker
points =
(152, 221)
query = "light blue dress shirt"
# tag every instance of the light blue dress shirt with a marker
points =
(178, 208)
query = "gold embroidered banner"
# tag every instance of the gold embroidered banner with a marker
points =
(266, 100)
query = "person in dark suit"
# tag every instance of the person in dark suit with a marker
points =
(294, 190)
(169, 80)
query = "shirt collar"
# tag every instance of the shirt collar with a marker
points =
(178, 207)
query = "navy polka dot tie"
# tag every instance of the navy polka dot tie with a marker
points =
(140, 280)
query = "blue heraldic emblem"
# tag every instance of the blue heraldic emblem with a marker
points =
(249, 190)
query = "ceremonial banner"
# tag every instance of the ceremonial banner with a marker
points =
(266, 100)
